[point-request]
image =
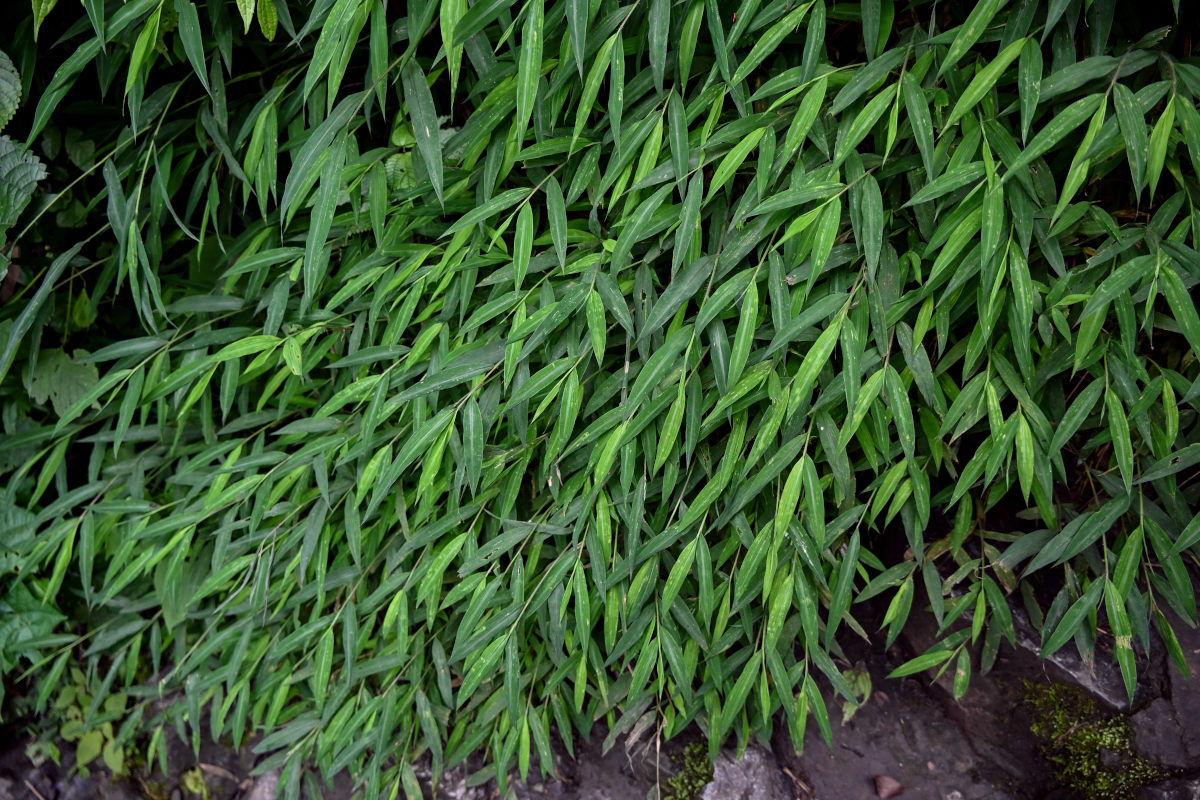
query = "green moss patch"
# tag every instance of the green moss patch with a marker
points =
(1092, 753)
(695, 773)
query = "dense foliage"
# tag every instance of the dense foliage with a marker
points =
(383, 378)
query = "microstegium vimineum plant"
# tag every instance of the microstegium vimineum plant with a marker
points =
(383, 378)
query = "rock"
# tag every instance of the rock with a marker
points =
(606, 777)
(755, 776)
(919, 737)
(1158, 734)
(453, 785)
(1099, 677)
(266, 786)
(1183, 695)
(991, 723)
(887, 787)
(1175, 789)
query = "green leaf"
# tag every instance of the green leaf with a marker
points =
(1026, 456)
(873, 221)
(1063, 123)
(1129, 562)
(1073, 619)
(681, 290)
(1118, 426)
(922, 124)
(22, 172)
(578, 16)
(814, 360)
(591, 87)
(970, 31)
(1156, 156)
(1078, 411)
(679, 572)
(732, 160)
(1177, 461)
(10, 86)
(523, 246)
(89, 747)
(501, 202)
(865, 79)
(1133, 131)
(323, 666)
(678, 134)
(268, 19)
(41, 10)
(1182, 307)
(424, 123)
(246, 9)
(768, 42)
(473, 442)
(660, 28)
(557, 213)
(921, 663)
(983, 82)
(1029, 83)
(311, 153)
(789, 499)
(948, 182)
(62, 380)
(530, 66)
(743, 340)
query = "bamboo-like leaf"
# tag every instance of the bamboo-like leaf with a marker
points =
(743, 340)
(523, 246)
(1029, 84)
(655, 328)
(424, 123)
(660, 28)
(1054, 131)
(977, 21)
(982, 83)
(1133, 130)
(1118, 426)
(730, 163)
(770, 41)
(1073, 619)
(922, 124)
(591, 87)
(948, 182)
(578, 16)
(530, 66)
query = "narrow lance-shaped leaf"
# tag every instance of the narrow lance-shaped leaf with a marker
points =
(530, 66)
(419, 101)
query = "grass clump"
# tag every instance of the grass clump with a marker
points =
(385, 380)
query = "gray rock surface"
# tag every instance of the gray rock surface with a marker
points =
(1159, 735)
(755, 776)
(607, 776)
(916, 733)
(1177, 789)
(990, 723)
(1168, 729)
(265, 786)
(1099, 677)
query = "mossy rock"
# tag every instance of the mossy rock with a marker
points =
(695, 772)
(1092, 753)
